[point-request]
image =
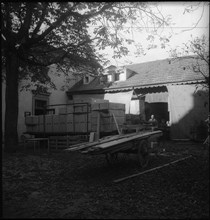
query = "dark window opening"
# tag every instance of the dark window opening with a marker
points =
(39, 106)
(86, 79)
(117, 76)
(158, 109)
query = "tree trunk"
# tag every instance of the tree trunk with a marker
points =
(11, 100)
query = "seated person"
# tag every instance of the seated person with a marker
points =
(153, 122)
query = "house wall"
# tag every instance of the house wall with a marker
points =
(188, 108)
(57, 96)
(119, 97)
(135, 107)
(87, 97)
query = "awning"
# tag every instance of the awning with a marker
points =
(157, 97)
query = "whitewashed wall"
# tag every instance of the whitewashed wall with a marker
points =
(57, 96)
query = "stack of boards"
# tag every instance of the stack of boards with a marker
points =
(113, 144)
(79, 118)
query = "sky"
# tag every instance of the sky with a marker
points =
(181, 28)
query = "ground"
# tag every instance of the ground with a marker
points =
(77, 186)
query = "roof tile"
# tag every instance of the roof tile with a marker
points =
(151, 73)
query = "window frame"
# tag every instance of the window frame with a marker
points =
(39, 98)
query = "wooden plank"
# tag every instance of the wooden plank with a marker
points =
(105, 140)
(102, 140)
(92, 137)
(126, 139)
(150, 170)
(113, 149)
(118, 129)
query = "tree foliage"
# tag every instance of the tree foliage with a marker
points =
(35, 35)
(44, 33)
(198, 49)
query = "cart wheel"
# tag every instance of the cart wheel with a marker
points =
(111, 157)
(143, 153)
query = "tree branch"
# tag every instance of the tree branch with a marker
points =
(36, 30)
(23, 32)
(63, 17)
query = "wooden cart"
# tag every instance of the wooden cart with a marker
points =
(137, 143)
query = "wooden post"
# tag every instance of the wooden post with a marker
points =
(116, 124)
(92, 136)
(98, 126)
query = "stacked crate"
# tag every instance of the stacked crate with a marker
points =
(107, 109)
(32, 123)
(79, 118)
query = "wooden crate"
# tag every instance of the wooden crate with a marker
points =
(29, 128)
(100, 106)
(69, 127)
(92, 101)
(82, 127)
(59, 123)
(80, 118)
(48, 123)
(66, 110)
(40, 127)
(116, 106)
(107, 106)
(117, 112)
(70, 109)
(69, 118)
(62, 111)
(83, 108)
(31, 120)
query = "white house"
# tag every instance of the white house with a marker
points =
(32, 103)
(169, 89)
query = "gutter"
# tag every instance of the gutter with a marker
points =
(152, 85)
(129, 88)
(92, 91)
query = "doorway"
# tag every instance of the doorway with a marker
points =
(158, 109)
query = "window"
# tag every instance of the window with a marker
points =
(86, 79)
(39, 101)
(39, 106)
(116, 76)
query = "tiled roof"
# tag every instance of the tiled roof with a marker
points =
(93, 85)
(151, 74)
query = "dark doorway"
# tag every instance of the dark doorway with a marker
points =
(158, 109)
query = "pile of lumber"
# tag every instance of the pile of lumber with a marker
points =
(114, 143)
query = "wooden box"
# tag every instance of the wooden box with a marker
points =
(48, 123)
(100, 106)
(62, 111)
(59, 123)
(31, 120)
(82, 127)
